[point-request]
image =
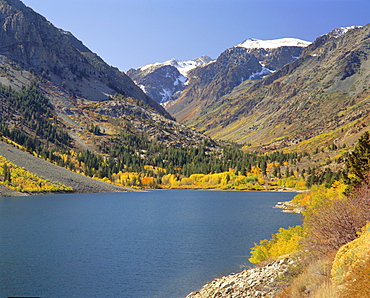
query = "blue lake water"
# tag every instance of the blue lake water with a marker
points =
(150, 244)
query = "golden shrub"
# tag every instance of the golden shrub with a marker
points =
(284, 242)
(357, 283)
(350, 256)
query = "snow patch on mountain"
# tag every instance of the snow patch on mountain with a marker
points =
(185, 66)
(343, 30)
(253, 43)
(150, 66)
(168, 92)
(180, 80)
(166, 95)
(260, 74)
(142, 87)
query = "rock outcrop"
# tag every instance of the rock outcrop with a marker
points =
(155, 126)
(289, 207)
(262, 281)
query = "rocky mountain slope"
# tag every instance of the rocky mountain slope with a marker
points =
(250, 60)
(81, 88)
(140, 120)
(323, 93)
(164, 81)
(161, 83)
(32, 43)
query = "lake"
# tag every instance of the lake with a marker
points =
(146, 244)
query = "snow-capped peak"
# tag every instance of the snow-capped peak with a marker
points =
(183, 66)
(149, 66)
(273, 44)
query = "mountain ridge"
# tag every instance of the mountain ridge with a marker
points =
(183, 66)
(155, 82)
(328, 83)
(234, 66)
(82, 91)
(35, 45)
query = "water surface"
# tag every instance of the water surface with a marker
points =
(153, 244)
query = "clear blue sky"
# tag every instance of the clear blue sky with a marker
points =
(131, 33)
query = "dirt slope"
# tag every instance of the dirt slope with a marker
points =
(55, 173)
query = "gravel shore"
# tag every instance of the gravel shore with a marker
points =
(7, 192)
(54, 173)
(262, 282)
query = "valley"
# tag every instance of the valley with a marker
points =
(265, 115)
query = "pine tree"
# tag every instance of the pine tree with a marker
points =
(358, 162)
(6, 173)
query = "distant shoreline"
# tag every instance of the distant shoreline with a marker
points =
(8, 192)
(78, 182)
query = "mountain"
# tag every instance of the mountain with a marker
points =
(318, 99)
(160, 83)
(164, 81)
(30, 43)
(250, 60)
(48, 73)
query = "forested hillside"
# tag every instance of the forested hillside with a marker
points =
(126, 139)
(63, 103)
(29, 121)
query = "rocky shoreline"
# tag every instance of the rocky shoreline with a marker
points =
(262, 281)
(289, 207)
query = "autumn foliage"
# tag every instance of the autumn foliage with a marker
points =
(252, 180)
(19, 179)
(337, 229)
(356, 284)
(351, 267)
(335, 222)
(284, 242)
